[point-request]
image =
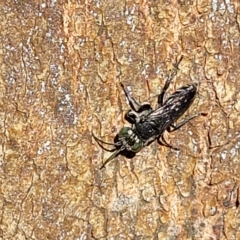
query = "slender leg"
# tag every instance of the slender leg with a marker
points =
(182, 123)
(169, 79)
(162, 141)
(133, 103)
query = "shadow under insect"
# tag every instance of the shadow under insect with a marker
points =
(149, 124)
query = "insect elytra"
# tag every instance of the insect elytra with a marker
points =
(149, 124)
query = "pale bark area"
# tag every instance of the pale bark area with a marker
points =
(61, 65)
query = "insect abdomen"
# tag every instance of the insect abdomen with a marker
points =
(159, 120)
(180, 101)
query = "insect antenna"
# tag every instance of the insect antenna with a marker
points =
(112, 157)
(118, 148)
(101, 142)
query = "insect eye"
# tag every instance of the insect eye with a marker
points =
(137, 146)
(124, 132)
(134, 143)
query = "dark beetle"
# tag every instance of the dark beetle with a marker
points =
(148, 124)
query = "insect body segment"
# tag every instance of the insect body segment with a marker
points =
(148, 124)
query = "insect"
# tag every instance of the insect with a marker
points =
(149, 124)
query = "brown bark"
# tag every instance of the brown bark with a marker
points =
(61, 65)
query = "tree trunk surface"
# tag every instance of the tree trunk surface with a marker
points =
(62, 63)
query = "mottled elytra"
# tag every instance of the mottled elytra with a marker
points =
(149, 124)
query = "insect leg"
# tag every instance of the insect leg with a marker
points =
(169, 79)
(138, 110)
(162, 141)
(133, 103)
(182, 123)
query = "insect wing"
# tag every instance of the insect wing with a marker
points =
(173, 108)
(160, 118)
(183, 96)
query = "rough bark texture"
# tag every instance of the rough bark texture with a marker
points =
(61, 65)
